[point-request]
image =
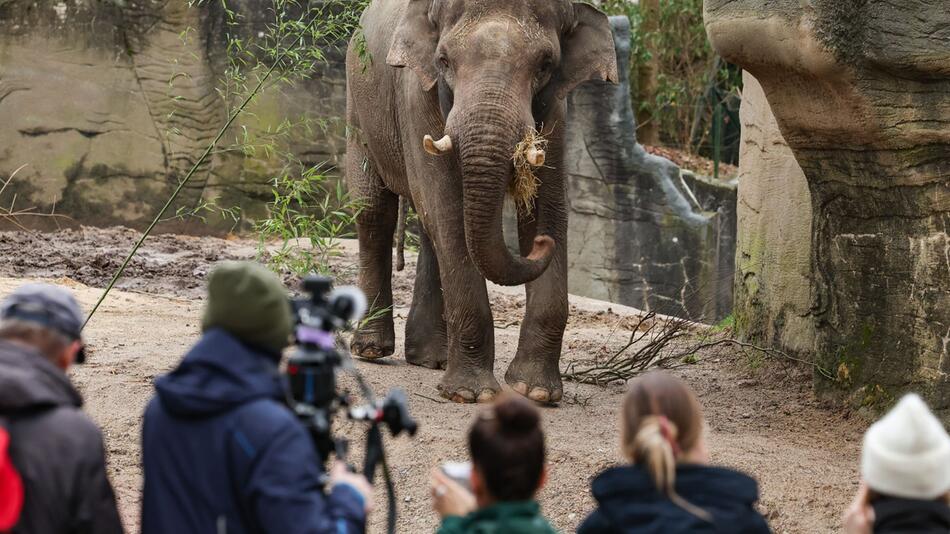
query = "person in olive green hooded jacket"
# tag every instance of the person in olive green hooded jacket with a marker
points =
(506, 445)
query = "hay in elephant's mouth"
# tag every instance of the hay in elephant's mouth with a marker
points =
(524, 187)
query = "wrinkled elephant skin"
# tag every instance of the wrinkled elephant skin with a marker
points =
(439, 93)
(861, 92)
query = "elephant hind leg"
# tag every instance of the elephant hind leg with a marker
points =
(375, 226)
(426, 338)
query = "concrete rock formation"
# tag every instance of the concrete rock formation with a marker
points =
(642, 233)
(773, 249)
(861, 92)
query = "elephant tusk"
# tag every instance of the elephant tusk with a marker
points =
(437, 148)
(535, 156)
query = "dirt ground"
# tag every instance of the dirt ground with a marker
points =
(762, 416)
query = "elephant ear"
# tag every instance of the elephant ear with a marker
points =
(587, 51)
(414, 43)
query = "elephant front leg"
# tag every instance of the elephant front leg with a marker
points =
(535, 371)
(426, 336)
(375, 225)
(469, 372)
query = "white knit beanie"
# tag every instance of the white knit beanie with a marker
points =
(907, 453)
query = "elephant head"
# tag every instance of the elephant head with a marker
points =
(499, 68)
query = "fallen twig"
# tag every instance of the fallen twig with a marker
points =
(651, 336)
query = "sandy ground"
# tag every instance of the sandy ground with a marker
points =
(762, 417)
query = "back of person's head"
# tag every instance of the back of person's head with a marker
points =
(249, 302)
(662, 422)
(506, 444)
(906, 453)
(46, 318)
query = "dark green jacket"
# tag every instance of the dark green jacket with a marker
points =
(521, 517)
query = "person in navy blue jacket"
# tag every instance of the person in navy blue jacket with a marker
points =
(221, 451)
(669, 487)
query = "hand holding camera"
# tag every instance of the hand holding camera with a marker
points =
(340, 474)
(449, 497)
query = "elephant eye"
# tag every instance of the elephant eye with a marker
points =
(547, 65)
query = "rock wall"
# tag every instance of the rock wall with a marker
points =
(642, 233)
(773, 256)
(861, 92)
(106, 105)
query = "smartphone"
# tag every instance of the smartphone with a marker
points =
(460, 472)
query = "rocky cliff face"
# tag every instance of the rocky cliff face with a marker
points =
(109, 103)
(642, 232)
(861, 92)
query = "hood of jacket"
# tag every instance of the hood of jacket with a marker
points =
(217, 374)
(892, 514)
(628, 497)
(28, 381)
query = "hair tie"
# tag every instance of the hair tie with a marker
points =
(666, 430)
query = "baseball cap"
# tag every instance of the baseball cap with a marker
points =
(48, 305)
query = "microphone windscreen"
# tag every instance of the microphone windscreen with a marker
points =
(348, 302)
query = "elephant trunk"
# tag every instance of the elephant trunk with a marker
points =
(486, 133)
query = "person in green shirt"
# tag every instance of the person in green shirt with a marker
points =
(506, 445)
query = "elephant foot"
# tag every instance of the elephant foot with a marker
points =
(371, 345)
(535, 380)
(429, 352)
(469, 386)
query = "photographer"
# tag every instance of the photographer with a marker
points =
(221, 451)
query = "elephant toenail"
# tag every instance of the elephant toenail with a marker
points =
(521, 388)
(463, 396)
(486, 395)
(539, 395)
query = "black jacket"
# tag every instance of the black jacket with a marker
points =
(629, 503)
(56, 448)
(906, 516)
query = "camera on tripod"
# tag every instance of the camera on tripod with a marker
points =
(312, 370)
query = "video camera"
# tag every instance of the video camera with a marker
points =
(311, 375)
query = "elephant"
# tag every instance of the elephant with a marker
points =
(439, 94)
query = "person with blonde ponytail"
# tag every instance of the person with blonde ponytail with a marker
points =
(669, 486)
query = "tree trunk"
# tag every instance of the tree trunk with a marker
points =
(648, 130)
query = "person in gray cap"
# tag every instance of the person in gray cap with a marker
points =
(56, 449)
